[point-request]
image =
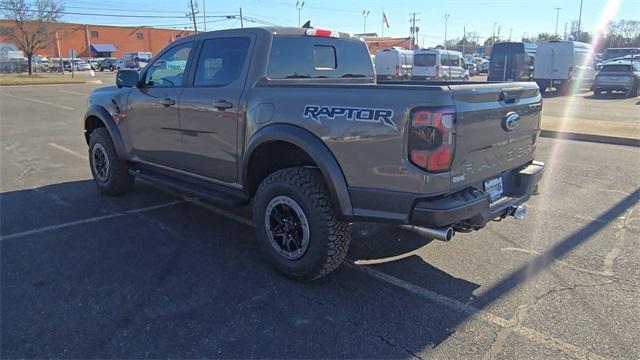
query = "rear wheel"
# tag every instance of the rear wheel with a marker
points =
(109, 172)
(297, 225)
(635, 90)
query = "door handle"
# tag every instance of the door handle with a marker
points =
(222, 105)
(166, 102)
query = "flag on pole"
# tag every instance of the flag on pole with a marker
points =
(384, 20)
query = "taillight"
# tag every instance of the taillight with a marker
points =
(437, 71)
(322, 33)
(431, 138)
(570, 72)
(397, 69)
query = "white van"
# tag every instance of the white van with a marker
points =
(393, 64)
(564, 65)
(439, 65)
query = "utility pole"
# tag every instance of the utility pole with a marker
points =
(241, 19)
(414, 30)
(499, 28)
(365, 13)
(192, 14)
(299, 6)
(510, 32)
(204, 14)
(493, 37)
(565, 31)
(464, 38)
(446, 20)
(579, 22)
(557, 17)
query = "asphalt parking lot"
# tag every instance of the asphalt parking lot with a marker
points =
(153, 274)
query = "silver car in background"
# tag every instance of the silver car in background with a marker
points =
(621, 75)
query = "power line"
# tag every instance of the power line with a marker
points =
(115, 15)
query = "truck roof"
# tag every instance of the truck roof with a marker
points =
(275, 31)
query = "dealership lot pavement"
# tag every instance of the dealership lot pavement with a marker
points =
(153, 274)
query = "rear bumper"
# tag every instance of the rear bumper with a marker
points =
(467, 209)
(612, 87)
(472, 209)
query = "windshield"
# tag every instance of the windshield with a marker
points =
(424, 60)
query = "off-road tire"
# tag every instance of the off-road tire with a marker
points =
(329, 237)
(119, 181)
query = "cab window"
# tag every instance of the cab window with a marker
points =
(168, 70)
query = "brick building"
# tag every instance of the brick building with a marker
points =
(102, 40)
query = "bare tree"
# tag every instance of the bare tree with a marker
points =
(31, 24)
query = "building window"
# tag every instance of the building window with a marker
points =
(139, 36)
(95, 35)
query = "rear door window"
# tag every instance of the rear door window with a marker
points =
(616, 68)
(221, 61)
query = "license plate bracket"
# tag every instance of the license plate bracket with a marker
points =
(494, 187)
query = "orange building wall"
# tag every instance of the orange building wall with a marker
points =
(78, 37)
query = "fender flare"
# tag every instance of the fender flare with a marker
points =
(316, 149)
(111, 126)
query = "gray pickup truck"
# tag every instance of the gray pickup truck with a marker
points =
(292, 121)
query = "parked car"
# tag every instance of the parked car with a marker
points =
(483, 66)
(94, 64)
(393, 64)
(81, 66)
(107, 64)
(564, 65)
(305, 135)
(619, 76)
(67, 65)
(512, 61)
(439, 65)
(472, 67)
(14, 65)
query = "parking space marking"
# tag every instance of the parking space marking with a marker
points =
(536, 336)
(38, 101)
(558, 261)
(471, 311)
(87, 221)
(68, 151)
(73, 92)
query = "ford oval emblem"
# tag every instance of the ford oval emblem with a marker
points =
(510, 121)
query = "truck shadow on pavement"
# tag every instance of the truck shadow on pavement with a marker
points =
(182, 281)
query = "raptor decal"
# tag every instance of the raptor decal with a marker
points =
(368, 115)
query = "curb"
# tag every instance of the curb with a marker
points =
(603, 139)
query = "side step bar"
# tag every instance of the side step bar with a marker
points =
(222, 195)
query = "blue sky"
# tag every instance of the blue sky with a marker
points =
(517, 16)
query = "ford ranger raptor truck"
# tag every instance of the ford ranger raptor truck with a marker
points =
(291, 121)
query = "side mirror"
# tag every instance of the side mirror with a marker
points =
(127, 78)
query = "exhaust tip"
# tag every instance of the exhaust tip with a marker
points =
(448, 235)
(520, 212)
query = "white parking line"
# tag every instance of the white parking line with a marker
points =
(86, 221)
(536, 336)
(68, 151)
(38, 101)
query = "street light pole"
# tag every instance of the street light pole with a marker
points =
(579, 22)
(299, 6)
(493, 37)
(446, 19)
(365, 13)
(557, 17)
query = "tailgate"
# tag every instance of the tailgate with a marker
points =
(496, 129)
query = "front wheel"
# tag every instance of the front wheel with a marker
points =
(109, 172)
(297, 224)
